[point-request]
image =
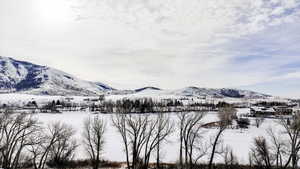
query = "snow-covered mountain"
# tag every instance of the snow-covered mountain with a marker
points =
(29, 78)
(219, 93)
(201, 92)
(25, 77)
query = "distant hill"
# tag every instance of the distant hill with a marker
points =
(221, 93)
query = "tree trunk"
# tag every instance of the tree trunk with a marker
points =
(98, 154)
(157, 156)
(214, 149)
(180, 151)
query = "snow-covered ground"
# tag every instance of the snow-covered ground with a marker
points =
(16, 98)
(21, 99)
(239, 140)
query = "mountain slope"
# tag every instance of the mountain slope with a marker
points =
(219, 93)
(25, 77)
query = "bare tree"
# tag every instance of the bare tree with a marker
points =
(279, 149)
(259, 121)
(2, 130)
(157, 132)
(119, 122)
(46, 139)
(182, 118)
(274, 151)
(190, 138)
(292, 129)
(225, 115)
(229, 158)
(63, 150)
(94, 139)
(260, 153)
(16, 133)
(133, 130)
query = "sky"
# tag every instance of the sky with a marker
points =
(171, 44)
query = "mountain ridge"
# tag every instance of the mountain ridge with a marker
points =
(25, 77)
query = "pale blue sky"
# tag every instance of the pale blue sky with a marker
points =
(251, 44)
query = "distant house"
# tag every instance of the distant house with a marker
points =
(69, 99)
(166, 100)
(241, 105)
(101, 98)
(271, 111)
(59, 107)
(262, 111)
(201, 97)
(283, 110)
(184, 98)
(31, 105)
(86, 99)
(94, 100)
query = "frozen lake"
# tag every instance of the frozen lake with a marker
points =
(239, 140)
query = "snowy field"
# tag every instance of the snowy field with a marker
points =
(239, 140)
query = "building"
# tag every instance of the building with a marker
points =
(262, 111)
(271, 111)
(283, 110)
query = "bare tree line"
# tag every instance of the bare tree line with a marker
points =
(140, 105)
(278, 152)
(25, 142)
